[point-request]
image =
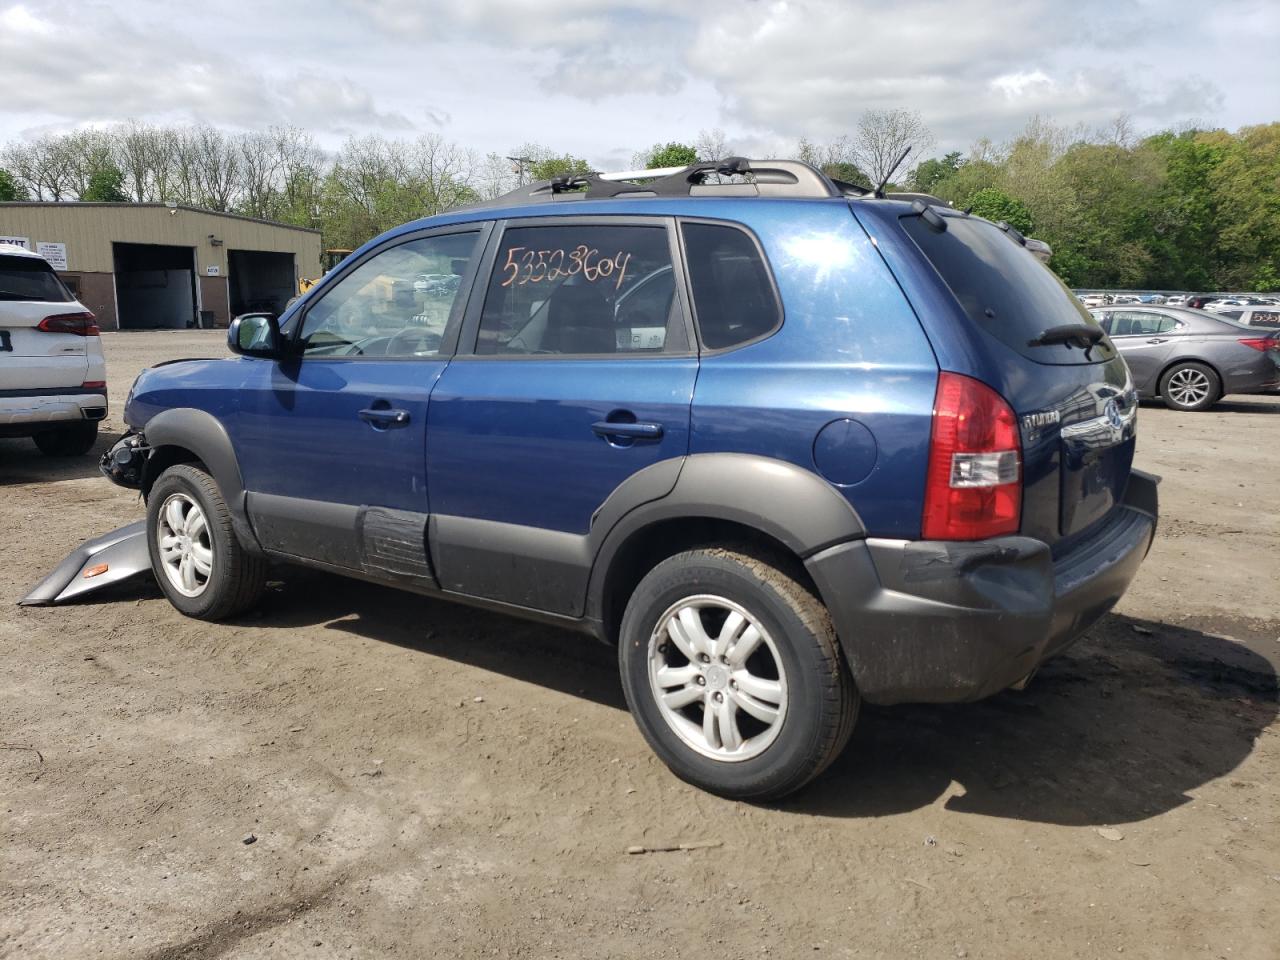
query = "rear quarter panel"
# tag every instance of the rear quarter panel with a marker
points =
(850, 347)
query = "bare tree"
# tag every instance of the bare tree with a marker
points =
(437, 173)
(301, 169)
(40, 165)
(135, 154)
(883, 135)
(495, 175)
(711, 144)
(218, 168)
(258, 172)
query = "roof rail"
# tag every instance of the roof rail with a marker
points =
(750, 178)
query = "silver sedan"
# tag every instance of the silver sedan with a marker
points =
(1190, 358)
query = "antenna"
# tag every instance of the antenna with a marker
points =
(879, 191)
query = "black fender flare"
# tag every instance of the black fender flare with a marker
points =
(786, 502)
(206, 438)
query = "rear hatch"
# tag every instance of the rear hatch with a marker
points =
(32, 358)
(1075, 403)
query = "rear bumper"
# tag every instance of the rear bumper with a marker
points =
(937, 622)
(24, 413)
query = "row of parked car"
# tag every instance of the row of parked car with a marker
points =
(1214, 303)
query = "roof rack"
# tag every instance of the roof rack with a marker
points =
(749, 178)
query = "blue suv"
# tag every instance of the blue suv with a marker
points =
(787, 443)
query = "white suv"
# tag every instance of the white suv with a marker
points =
(53, 380)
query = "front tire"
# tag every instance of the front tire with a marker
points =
(196, 557)
(733, 673)
(71, 441)
(1190, 386)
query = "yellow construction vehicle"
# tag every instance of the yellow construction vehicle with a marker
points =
(328, 260)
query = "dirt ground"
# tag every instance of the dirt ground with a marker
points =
(425, 780)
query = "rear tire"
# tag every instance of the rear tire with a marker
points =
(196, 557)
(765, 662)
(1190, 386)
(71, 441)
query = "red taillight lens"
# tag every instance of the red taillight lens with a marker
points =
(81, 324)
(1262, 343)
(94, 385)
(974, 486)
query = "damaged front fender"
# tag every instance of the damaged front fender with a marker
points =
(94, 564)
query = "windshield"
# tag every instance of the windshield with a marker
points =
(28, 278)
(1003, 288)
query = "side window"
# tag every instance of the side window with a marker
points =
(1166, 324)
(398, 303)
(733, 298)
(1104, 321)
(1128, 324)
(582, 289)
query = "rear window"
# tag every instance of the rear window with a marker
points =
(1260, 318)
(1003, 288)
(733, 296)
(29, 278)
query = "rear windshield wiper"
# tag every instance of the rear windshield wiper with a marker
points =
(1072, 334)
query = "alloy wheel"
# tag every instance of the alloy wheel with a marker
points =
(186, 552)
(1189, 386)
(717, 678)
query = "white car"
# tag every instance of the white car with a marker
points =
(53, 379)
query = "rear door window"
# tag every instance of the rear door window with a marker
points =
(30, 278)
(733, 295)
(583, 289)
(1002, 288)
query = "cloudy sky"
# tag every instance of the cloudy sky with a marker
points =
(602, 78)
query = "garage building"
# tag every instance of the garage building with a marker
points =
(154, 265)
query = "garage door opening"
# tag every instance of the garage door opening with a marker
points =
(260, 281)
(155, 286)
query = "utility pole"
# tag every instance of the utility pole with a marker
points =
(521, 168)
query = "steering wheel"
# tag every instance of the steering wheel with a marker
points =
(413, 341)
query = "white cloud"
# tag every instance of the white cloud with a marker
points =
(603, 78)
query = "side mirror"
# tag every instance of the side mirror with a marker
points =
(254, 335)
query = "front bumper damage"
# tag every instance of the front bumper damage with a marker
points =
(104, 560)
(124, 464)
(112, 557)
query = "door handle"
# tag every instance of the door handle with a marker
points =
(1157, 340)
(383, 418)
(630, 431)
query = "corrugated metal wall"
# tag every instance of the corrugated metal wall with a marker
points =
(89, 229)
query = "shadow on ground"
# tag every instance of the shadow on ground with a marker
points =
(21, 462)
(1120, 728)
(1241, 405)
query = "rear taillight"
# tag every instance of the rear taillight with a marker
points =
(80, 324)
(974, 486)
(94, 385)
(1262, 343)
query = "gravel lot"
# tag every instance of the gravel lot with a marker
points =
(426, 780)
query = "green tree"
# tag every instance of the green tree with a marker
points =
(996, 205)
(106, 185)
(10, 189)
(566, 164)
(1247, 218)
(670, 155)
(927, 175)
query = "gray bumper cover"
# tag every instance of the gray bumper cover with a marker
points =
(94, 564)
(936, 622)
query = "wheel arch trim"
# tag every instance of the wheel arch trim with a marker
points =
(204, 436)
(781, 500)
